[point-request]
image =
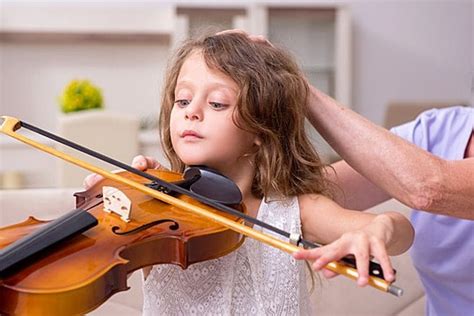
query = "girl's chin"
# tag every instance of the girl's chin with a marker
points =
(196, 162)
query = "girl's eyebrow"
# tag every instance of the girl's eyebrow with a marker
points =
(214, 85)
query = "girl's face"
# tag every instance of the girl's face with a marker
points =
(201, 126)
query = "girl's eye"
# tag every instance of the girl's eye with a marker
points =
(217, 105)
(182, 103)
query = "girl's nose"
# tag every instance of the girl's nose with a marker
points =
(193, 111)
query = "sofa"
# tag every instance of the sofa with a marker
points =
(338, 296)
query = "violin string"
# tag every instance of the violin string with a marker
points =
(168, 185)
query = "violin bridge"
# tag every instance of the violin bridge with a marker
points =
(115, 201)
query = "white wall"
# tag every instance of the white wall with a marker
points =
(410, 51)
(34, 75)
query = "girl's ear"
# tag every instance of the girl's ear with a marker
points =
(257, 141)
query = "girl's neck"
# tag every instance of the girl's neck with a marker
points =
(243, 174)
(252, 203)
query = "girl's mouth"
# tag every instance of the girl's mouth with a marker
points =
(190, 134)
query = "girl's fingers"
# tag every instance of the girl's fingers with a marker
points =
(314, 254)
(311, 254)
(322, 255)
(152, 163)
(362, 262)
(141, 162)
(90, 180)
(329, 253)
(328, 274)
(319, 264)
(381, 254)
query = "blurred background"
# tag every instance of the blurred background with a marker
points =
(92, 72)
(387, 60)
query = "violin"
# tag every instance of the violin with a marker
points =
(124, 224)
(81, 272)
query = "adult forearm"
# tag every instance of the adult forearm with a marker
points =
(454, 193)
(353, 191)
(407, 173)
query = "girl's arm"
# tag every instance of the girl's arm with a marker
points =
(346, 232)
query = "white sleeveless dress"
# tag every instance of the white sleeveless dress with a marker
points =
(256, 279)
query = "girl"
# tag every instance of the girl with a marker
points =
(238, 106)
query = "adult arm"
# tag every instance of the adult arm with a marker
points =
(399, 168)
(353, 191)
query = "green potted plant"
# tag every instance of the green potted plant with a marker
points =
(80, 95)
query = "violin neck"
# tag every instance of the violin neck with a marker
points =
(68, 225)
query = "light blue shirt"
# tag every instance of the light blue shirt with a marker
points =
(443, 250)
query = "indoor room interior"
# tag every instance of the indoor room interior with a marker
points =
(387, 60)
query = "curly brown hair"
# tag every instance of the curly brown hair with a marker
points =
(271, 105)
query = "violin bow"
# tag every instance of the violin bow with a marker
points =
(9, 126)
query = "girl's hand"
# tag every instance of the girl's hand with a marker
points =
(364, 244)
(139, 162)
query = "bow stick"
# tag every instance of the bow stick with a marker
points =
(9, 126)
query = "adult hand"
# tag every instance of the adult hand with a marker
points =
(255, 38)
(139, 162)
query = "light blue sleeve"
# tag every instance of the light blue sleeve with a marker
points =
(443, 132)
(415, 131)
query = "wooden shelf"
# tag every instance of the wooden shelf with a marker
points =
(82, 36)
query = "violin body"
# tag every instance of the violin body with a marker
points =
(79, 274)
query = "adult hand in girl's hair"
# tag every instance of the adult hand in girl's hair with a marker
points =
(365, 243)
(261, 39)
(255, 38)
(139, 162)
